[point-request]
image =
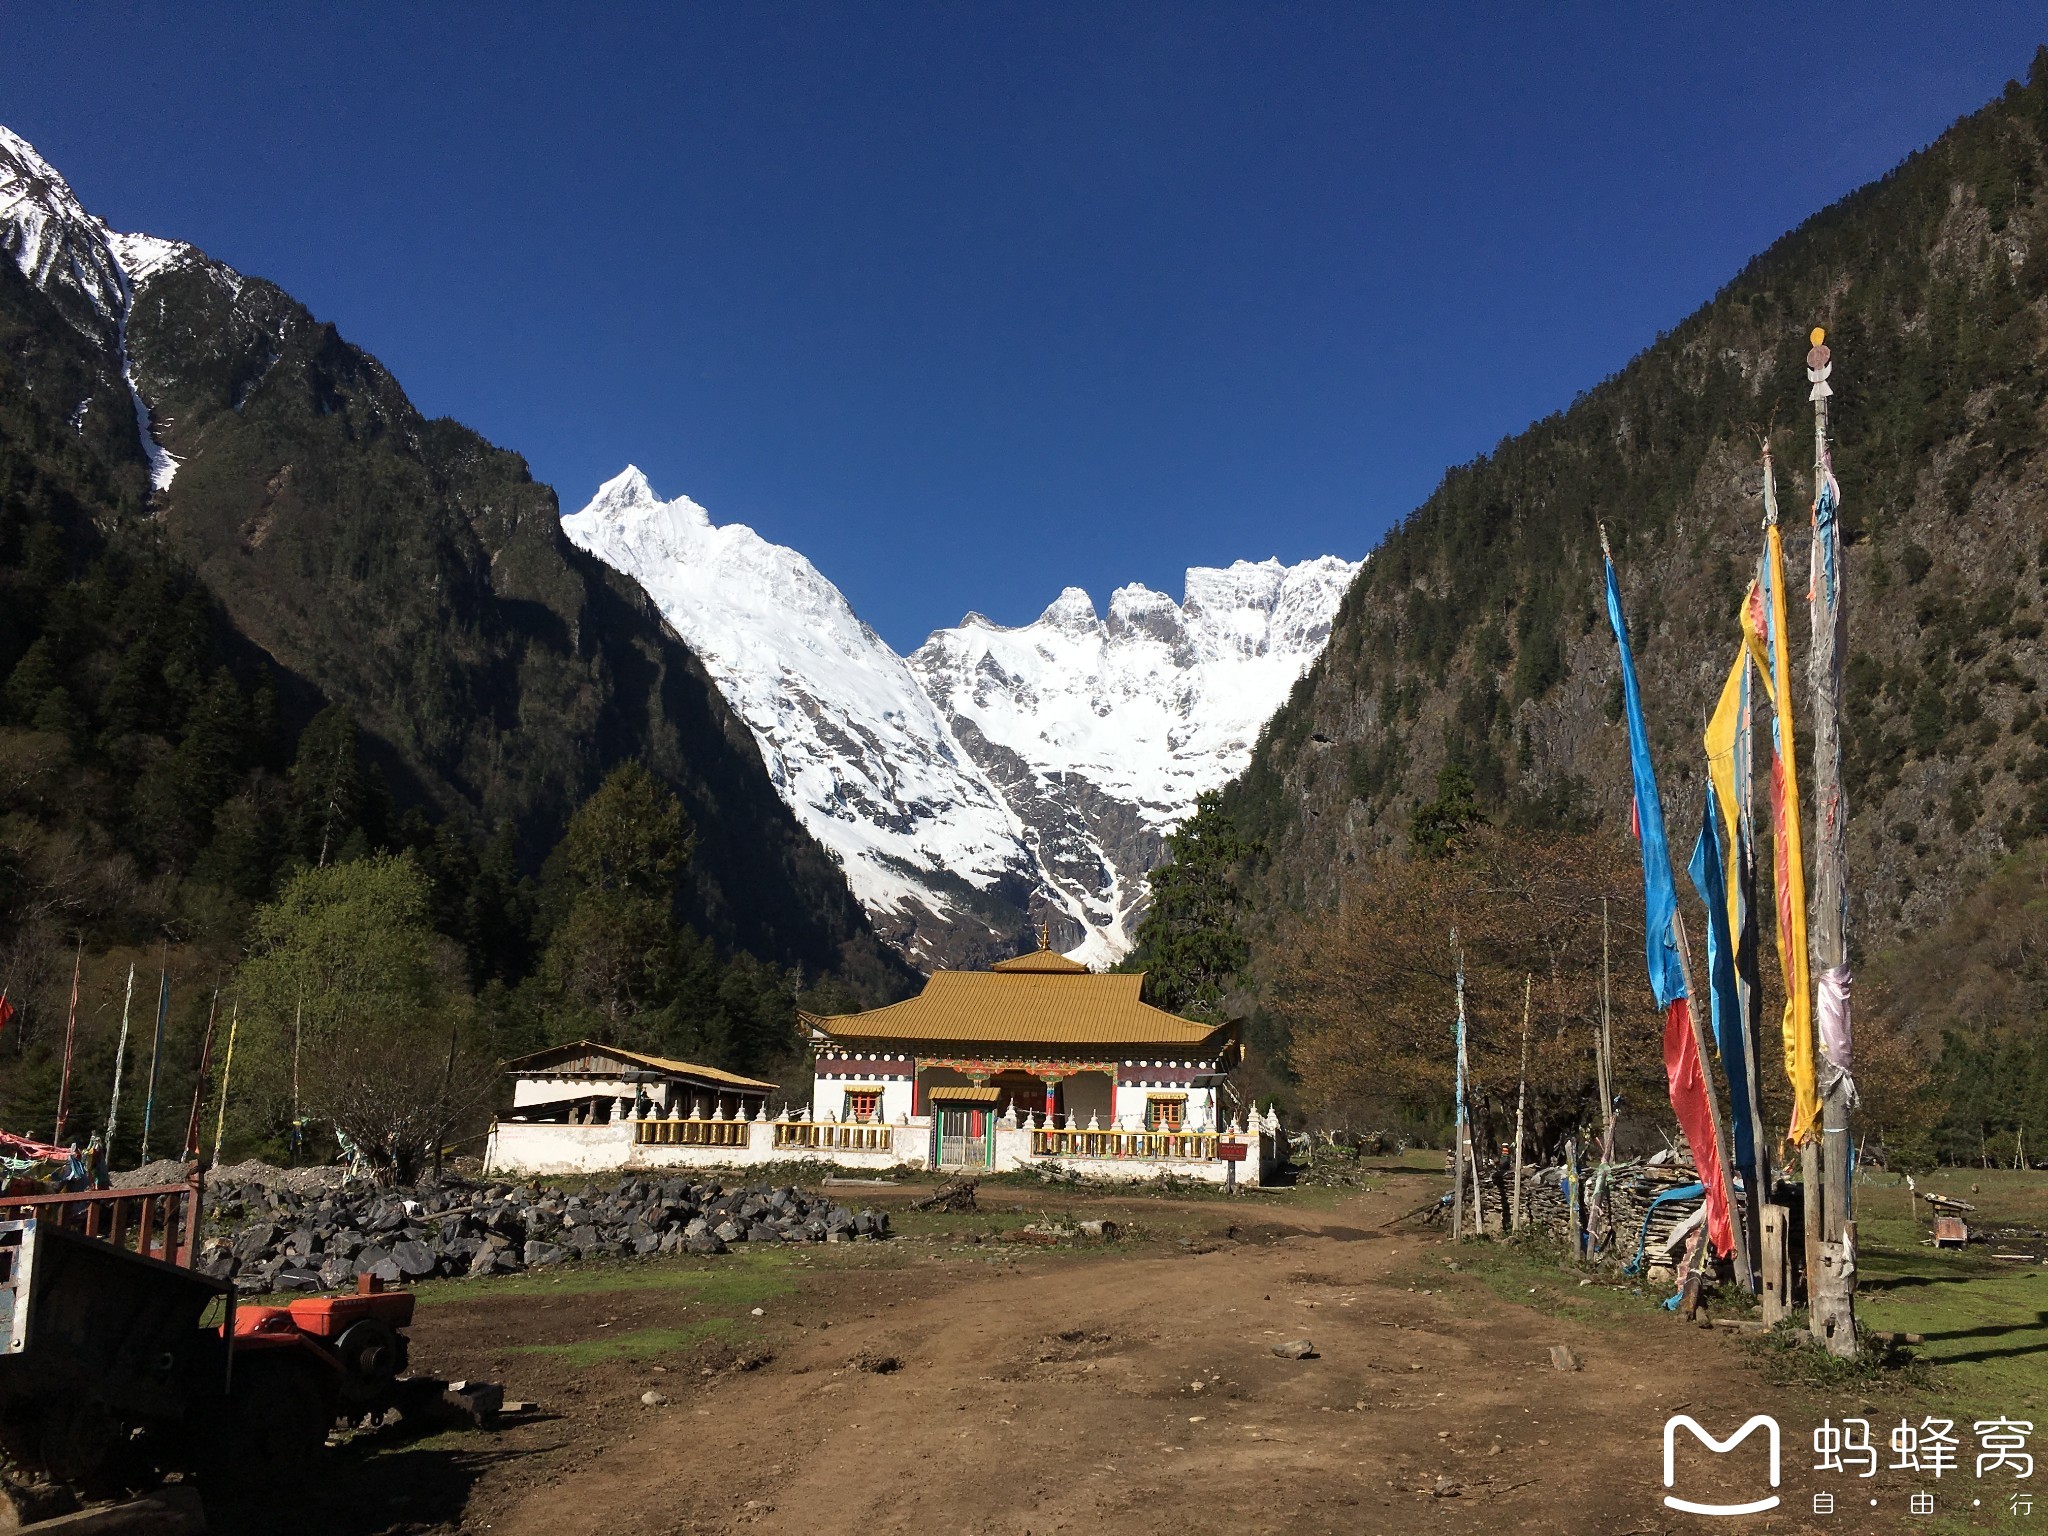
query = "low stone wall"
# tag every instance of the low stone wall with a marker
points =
(557, 1149)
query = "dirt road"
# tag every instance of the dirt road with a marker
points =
(1026, 1391)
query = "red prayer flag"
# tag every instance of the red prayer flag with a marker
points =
(6, 1010)
(1696, 1116)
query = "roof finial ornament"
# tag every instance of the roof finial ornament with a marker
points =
(1045, 935)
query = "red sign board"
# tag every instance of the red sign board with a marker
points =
(1232, 1151)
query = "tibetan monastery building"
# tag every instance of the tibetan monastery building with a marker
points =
(1041, 1038)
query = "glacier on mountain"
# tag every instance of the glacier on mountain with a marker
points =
(999, 776)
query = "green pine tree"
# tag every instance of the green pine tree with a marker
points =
(1189, 944)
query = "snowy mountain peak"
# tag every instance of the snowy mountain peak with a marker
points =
(1100, 736)
(999, 775)
(849, 738)
(53, 240)
(627, 499)
(87, 270)
(1072, 612)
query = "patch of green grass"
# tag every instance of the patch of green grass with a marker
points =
(1414, 1160)
(1985, 1321)
(636, 1344)
(1534, 1274)
(447, 1440)
(744, 1277)
(1790, 1357)
(1985, 1325)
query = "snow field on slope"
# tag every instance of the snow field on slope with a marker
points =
(849, 738)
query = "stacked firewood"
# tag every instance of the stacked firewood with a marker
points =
(1614, 1211)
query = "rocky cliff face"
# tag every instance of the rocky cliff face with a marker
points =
(1477, 632)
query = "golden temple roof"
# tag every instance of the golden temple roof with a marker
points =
(1044, 961)
(1024, 1000)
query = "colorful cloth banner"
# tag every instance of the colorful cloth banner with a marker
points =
(1723, 999)
(1682, 1068)
(1764, 619)
(1695, 1115)
(1834, 1024)
(1729, 755)
(1727, 768)
(1660, 894)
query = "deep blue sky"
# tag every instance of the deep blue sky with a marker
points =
(973, 301)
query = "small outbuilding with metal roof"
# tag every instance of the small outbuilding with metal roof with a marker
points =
(584, 1082)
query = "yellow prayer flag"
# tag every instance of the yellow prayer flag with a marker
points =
(1787, 860)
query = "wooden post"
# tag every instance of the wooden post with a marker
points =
(1699, 1044)
(227, 1072)
(1522, 1100)
(1478, 1192)
(1813, 1198)
(1834, 1314)
(191, 1148)
(1459, 1142)
(1606, 1043)
(156, 1049)
(1776, 1278)
(1692, 1271)
(70, 1035)
(120, 1056)
(1575, 1207)
(1837, 1291)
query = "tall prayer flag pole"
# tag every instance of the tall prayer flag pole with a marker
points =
(156, 1050)
(227, 1071)
(120, 1057)
(1832, 1308)
(1606, 1045)
(1461, 1144)
(70, 1036)
(191, 1148)
(1522, 1098)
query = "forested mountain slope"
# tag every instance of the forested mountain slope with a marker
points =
(1475, 635)
(414, 570)
(256, 612)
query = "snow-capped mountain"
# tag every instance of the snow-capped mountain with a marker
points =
(1101, 733)
(849, 738)
(999, 776)
(91, 271)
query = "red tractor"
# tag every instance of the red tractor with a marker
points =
(112, 1344)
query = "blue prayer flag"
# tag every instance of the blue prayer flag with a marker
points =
(1660, 895)
(1710, 879)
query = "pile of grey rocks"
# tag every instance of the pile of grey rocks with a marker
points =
(271, 1237)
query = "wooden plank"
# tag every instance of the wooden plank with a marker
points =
(1811, 1217)
(1776, 1279)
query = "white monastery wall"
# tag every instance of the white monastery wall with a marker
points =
(658, 1142)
